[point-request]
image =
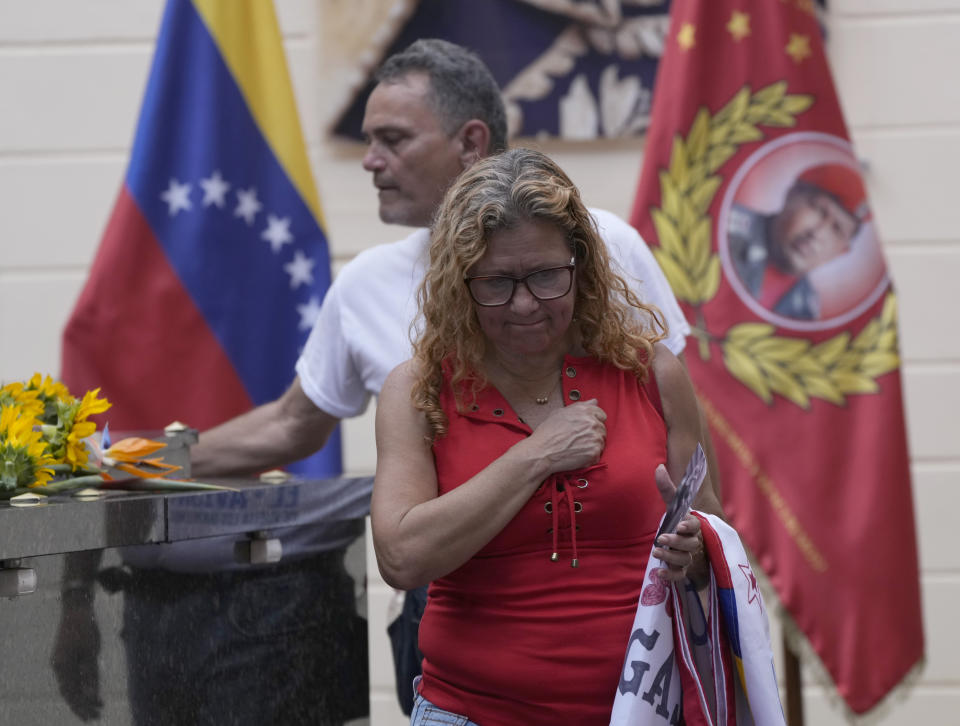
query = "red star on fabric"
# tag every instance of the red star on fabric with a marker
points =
(754, 592)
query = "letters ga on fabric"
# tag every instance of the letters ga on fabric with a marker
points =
(794, 351)
(214, 262)
(701, 668)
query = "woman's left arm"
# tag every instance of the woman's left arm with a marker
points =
(682, 552)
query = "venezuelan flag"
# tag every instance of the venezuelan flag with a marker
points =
(214, 263)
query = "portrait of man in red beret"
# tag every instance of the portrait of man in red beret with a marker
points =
(773, 254)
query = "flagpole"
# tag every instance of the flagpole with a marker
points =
(793, 684)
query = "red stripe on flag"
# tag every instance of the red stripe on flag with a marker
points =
(136, 333)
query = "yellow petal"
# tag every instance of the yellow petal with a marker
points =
(92, 405)
(82, 429)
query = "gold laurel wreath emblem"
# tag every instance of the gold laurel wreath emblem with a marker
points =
(764, 362)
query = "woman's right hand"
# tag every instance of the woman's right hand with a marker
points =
(572, 437)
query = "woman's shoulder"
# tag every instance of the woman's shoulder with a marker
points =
(665, 364)
(673, 382)
(669, 373)
(400, 379)
(395, 405)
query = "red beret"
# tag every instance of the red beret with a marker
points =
(843, 184)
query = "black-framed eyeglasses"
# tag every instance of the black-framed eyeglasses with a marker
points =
(546, 284)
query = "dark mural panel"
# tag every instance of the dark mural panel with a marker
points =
(570, 69)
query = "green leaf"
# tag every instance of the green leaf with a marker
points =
(796, 103)
(699, 134)
(669, 196)
(702, 194)
(855, 383)
(820, 386)
(783, 350)
(744, 369)
(744, 134)
(710, 282)
(770, 95)
(780, 381)
(878, 364)
(744, 333)
(698, 246)
(830, 350)
(667, 233)
(677, 276)
(163, 485)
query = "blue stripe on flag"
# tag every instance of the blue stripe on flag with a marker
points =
(728, 608)
(194, 124)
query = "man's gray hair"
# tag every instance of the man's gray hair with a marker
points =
(462, 86)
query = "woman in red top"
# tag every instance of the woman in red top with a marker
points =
(521, 456)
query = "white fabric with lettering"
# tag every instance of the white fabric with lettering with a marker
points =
(715, 670)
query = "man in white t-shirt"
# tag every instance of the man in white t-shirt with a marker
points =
(435, 111)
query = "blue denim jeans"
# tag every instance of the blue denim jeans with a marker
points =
(426, 714)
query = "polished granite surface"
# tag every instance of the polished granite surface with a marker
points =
(154, 608)
(66, 523)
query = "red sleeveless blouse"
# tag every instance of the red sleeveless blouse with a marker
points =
(511, 637)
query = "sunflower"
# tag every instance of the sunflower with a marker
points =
(24, 456)
(16, 394)
(67, 436)
(49, 392)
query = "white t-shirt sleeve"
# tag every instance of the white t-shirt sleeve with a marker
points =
(326, 368)
(632, 260)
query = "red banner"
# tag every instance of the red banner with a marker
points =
(752, 200)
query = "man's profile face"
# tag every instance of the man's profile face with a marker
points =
(811, 230)
(412, 158)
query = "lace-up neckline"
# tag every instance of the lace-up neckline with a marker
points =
(563, 486)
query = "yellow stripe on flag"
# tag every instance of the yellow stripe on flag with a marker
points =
(247, 33)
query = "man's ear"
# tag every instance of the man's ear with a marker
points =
(474, 142)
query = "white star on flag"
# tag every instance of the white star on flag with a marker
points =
(248, 205)
(300, 270)
(309, 313)
(214, 190)
(277, 232)
(177, 197)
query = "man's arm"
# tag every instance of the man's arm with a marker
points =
(271, 435)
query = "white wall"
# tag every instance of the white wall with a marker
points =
(71, 80)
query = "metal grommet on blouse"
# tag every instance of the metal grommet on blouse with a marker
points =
(574, 395)
(498, 412)
(548, 507)
(577, 507)
(582, 483)
(571, 372)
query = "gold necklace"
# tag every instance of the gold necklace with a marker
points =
(545, 399)
(510, 382)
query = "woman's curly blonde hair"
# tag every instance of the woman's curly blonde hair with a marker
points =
(497, 193)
